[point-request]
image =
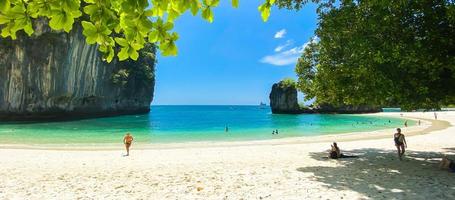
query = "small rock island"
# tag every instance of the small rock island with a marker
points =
(283, 98)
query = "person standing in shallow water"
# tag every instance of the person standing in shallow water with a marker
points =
(400, 143)
(128, 140)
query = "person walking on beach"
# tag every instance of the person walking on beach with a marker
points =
(127, 140)
(435, 115)
(400, 143)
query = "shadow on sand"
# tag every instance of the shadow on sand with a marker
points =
(378, 174)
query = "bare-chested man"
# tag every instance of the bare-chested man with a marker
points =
(127, 140)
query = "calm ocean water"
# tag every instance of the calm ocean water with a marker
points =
(191, 123)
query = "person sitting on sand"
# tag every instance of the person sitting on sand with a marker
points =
(400, 143)
(127, 140)
(335, 152)
(447, 164)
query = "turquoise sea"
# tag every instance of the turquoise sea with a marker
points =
(166, 124)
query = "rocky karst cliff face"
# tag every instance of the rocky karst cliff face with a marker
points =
(57, 76)
(283, 99)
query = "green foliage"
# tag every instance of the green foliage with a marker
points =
(141, 71)
(293, 4)
(126, 25)
(382, 53)
(287, 82)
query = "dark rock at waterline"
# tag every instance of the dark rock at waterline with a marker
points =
(346, 109)
(56, 75)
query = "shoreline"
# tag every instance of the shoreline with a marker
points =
(427, 126)
(288, 169)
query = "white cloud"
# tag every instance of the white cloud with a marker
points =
(281, 47)
(280, 33)
(285, 57)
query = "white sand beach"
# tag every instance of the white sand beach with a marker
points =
(289, 168)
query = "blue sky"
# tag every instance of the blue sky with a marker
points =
(234, 60)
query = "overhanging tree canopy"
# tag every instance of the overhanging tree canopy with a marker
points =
(382, 53)
(111, 24)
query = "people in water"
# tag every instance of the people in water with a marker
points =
(226, 129)
(128, 140)
(447, 164)
(400, 143)
(275, 132)
(406, 123)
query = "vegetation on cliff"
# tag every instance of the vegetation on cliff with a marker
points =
(141, 71)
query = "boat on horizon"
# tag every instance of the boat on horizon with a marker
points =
(262, 105)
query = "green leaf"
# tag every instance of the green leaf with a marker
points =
(235, 3)
(4, 19)
(25, 24)
(133, 54)
(153, 36)
(6, 31)
(148, 13)
(91, 9)
(39, 8)
(5, 5)
(109, 55)
(214, 3)
(61, 20)
(168, 49)
(195, 5)
(207, 14)
(123, 54)
(90, 32)
(264, 9)
(122, 42)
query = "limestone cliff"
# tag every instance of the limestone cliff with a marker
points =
(283, 99)
(56, 75)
